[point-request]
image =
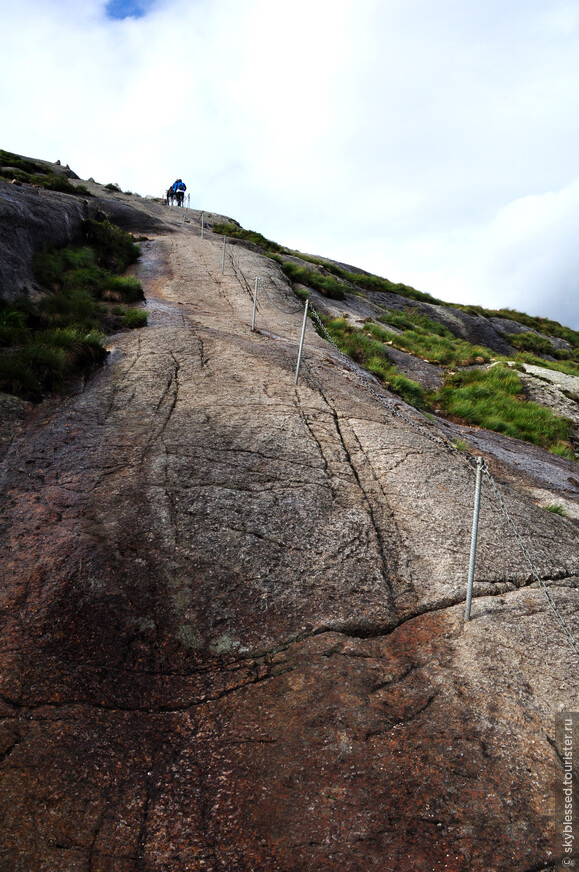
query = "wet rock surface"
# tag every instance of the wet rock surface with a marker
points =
(232, 612)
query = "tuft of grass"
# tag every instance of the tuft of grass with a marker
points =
(69, 306)
(556, 509)
(135, 318)
(302, 293)
(127, 288)
(461, 445)
(563, 449)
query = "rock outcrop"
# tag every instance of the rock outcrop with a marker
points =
(232, 612)
(31, 218)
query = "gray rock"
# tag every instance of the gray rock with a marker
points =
(31, 218)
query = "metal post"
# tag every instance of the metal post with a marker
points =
(223, 256)
(474, 537)
(254, 304)
(302, 341)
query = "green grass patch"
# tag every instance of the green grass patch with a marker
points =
(494, 399)
(541, 325)
(375, 284)
(115, 249)
(556, 509)
(236, 232)
(42, 344)
(135, 318)
(368, 282)
(430, 341)
(12, 166)
(563, 449)
(570, 367)
(326, 285)
(59, 183)
(335, 280)
(531, 342)
(370, 354)
(9, 159)
(412, 319)
(47, 357)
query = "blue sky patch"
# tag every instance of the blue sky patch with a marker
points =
(121, 9)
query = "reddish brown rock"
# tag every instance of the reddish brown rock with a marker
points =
(232, 615)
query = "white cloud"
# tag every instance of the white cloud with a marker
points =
(433, 142)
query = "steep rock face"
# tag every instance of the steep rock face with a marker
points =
(31, 218)
(232, 613)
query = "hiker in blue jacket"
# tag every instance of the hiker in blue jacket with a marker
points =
(179, 187)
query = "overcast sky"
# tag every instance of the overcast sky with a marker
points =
(434, 142)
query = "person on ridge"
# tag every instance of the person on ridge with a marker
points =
(179, 187)
(176, 192)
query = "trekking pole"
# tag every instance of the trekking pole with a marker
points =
(474, 537)
(302, 341)
(254, 305)
(202, 224)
